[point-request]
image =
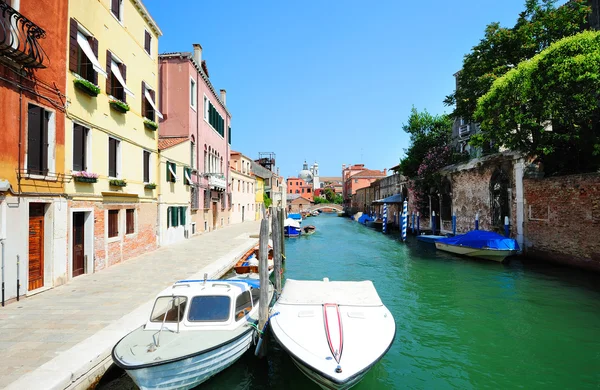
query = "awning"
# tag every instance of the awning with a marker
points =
(114, 67)
(149, 98)
(187, 176)
(89, 53)
(172, 171)
(390, 199)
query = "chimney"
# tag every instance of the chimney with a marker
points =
(224, 96)
(343, 166)
(385, 171)
(197, 53)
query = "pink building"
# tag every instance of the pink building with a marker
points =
(355, 177)
(192, 107)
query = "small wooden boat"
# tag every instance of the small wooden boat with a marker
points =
(481, 244)
(309, 229)
(291, 228)
(333, 331)
(196, 329)
(248, 263)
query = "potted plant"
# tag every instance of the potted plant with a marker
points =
(150, 125)
(118, 105)
(117, 183)
(85, 177)
(150, 186)
(87, 87)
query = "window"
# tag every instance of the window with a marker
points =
(205, 108)
(168, 309)
(229, 135)
(149, 109)
(211, 308)
(243, 305)
(147, 42)
(182, 210)
(173, 217)
(195, 198)
(113, 223)
(193, 155)
(193, 93)
(308, 190)
(80, 135)
(171, 172)
(116, 7)
(356, 180)
(130, 221)
(187, 176)
(84, 54)
(216, 120)
(146, 166)
(115, 83)
(114, 147)
(38, 121)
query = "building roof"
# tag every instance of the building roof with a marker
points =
(169, 142)
(146, 15)
(368, 173)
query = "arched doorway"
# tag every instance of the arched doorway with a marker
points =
(499, 197)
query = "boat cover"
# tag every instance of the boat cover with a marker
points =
(316, 292)
(390, 199)
(292, 223)
(482, 239)
(295, 216)
(364, 219)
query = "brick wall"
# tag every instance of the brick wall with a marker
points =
(562, 219)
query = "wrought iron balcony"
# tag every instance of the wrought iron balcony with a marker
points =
(216, 181)
(19, 38)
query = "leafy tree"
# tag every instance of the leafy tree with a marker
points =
(558, 87)
(426, 131)
(267, 200)
(338, 199)
(501, 49)
(329, 195)
(319, 200)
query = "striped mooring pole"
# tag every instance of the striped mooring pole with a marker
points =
(454, 224)
(433, 222)
(384, 227)
(506, 227)
(404, 219)
(477, 221)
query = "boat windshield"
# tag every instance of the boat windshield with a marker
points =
(210, 308)
(173, 307)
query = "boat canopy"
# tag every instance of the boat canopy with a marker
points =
(390, 199)
(291, 222)
(316, 292)
(295, 216)
(364, 219)
(482, 239)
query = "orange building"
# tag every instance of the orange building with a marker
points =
(33, 210)
(296, 185)
(355, 177)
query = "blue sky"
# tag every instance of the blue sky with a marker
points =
(328, 81)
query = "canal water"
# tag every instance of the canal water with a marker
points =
(461, 323)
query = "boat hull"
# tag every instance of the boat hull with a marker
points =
(291, 231)
(486, 254)
(189, 372)
(322, 381)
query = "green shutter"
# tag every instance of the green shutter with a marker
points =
(229, 135)
(168, 217)
(182, 215)
(174, 216)
(168, 173)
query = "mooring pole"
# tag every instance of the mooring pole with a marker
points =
(276, 235)
(384, 227)
(18, 281)
(433, 222)
(282, 233)
(418, 224)
(506, 227)
(412, 225)
(477, 221)
(404, 219)
(454, 224)
(263, 269)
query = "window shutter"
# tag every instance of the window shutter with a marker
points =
(112, 157)
(94, 45)
(73, 46)
(34, 141)
(182, 215)
(168, 172)
(143, 99)
(115, 8)
(146, 167)
(78, 149)
(108, 72)
(229, 135)
(168, 217)
(174, 215)
(123, 70)
(147, 40)
(44, 139)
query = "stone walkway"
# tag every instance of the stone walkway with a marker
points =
(52, 339)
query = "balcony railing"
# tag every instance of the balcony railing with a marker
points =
(19, 38)
(216, 181)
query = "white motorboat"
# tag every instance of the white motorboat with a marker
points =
(196, 329)
(333, 331)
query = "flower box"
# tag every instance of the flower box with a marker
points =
(82, 179)
(150, 125)
(87, 87)
(150, 186)
(119, 106)
(117, 183)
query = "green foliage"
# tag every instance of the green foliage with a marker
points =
(117, 183)
(319, 200)
(119, 105)
(338, 199)
(150, 124)
(426, 131)
(150, 186)
(501, 49)
(267, 201)
(558, 87)
(87, 87)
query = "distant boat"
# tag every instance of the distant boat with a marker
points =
(481, 244)
(335, 332)
(315, 213)
(309, 229)
(248, 263)
(291, 228)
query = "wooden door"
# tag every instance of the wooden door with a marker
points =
(242, 213)
(36, 246)
(78, 244)
(214, 210)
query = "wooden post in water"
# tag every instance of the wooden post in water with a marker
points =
(282, 241)
(276, 234)
(263, 269)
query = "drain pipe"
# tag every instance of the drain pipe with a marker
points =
(2, 243)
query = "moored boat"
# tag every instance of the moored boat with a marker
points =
(333, 331)
(309, 229)
(291, 228)
(248, 263)
(196, 329)
(429, 238)
(481, 244)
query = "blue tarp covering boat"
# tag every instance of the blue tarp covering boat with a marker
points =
(482, 239)
(364, 219)
(297, 217)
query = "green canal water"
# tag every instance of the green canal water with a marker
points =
(460, 323)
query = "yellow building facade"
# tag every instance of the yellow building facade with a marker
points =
(260, 193)
(111, 140)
